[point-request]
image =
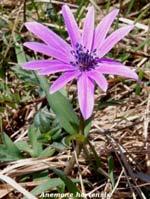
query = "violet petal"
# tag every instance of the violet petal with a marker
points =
(103, 28)
(55, 69)
(71, 25)
(117, 69)
(47, 67)
(47, 50)
(88, 29)
(99, 78)
(85, 95)
(48, 36)
(113, 39)
(108, 61)
(63, 80)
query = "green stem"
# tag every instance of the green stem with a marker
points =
(97, 159)
(90, 156)
(77, 151)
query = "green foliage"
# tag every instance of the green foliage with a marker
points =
(131, 4)
(61, 107)
(27, 76)
(68, 182)
(111, 170)
(10, 99)
(88, 124)
(56, 185)
(138, 89)
(8, 150)
(35, 147)
(47, 184)
(33, 135)
(43, 121)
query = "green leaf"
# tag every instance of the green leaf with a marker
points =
(138, 89)
(88, 124)
(111, 169)
(58, 146)
(8, 150)
(48, 152)
(24, 146)
(78, 137)
(47, 185)
(45, 137)
(42, 121)
(141, 74)
(56, 133)
(69, 184)
(9, 144)
(27, 76)
(21, 58)
(61, 107)
(34, 134)
(131, 4)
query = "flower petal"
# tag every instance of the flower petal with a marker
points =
(48, 50)
(56, 68)
(85, 95)
(99, 79)
(46, 67)
(103, 28)
(71, 25)
(107, 61)
(114, 38)
(62, 80)
(88, 29)
(117, 69)
(39, 64)
(48, 36)
(43, 64)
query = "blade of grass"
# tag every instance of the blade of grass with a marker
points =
(130, 7)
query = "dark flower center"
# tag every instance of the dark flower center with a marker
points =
(84, 59)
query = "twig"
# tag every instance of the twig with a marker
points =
(24, 11)
(117, 183)
(146, 134)
(80, 176)
(17, 186)
(124, 164)
(72, 161)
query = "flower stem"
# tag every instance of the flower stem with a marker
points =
(95, 155)
(77, 151)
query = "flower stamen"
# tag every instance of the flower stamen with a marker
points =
(84, 59)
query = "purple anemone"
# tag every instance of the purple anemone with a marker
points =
(83, 59)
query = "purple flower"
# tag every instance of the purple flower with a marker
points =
(83, 59)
